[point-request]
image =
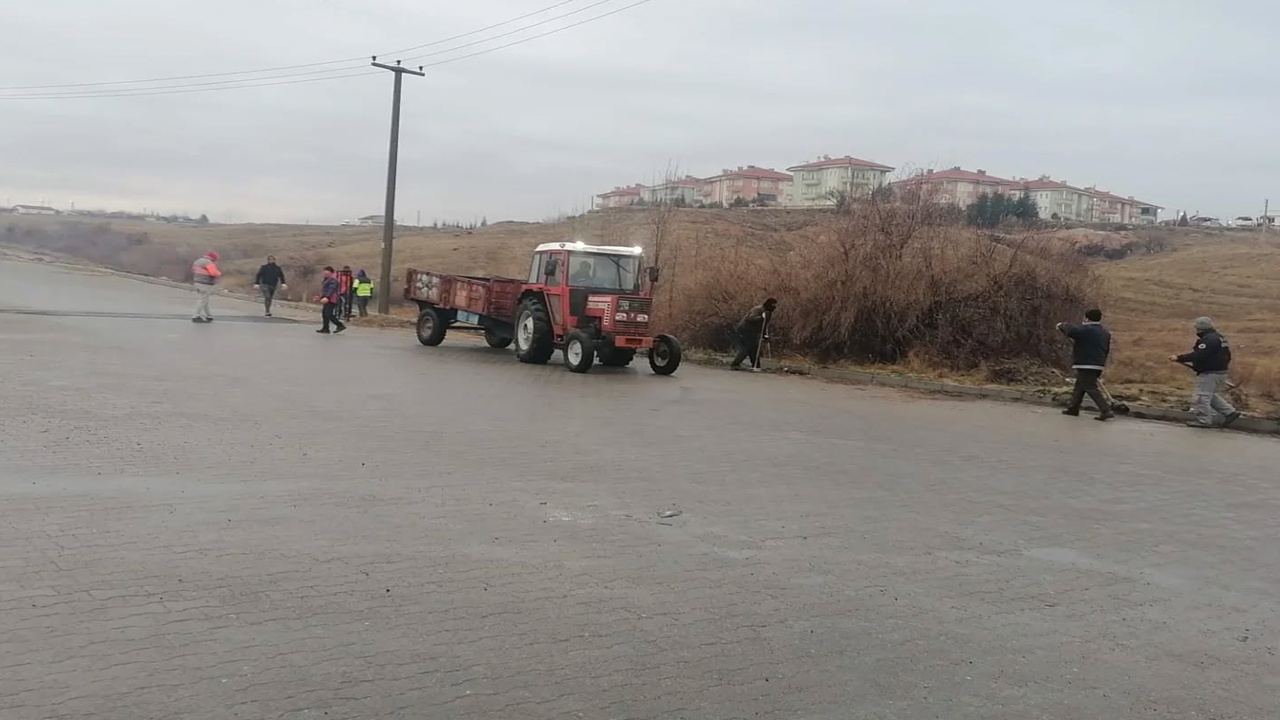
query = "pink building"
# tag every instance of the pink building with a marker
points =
(620, 197)
(750, 183)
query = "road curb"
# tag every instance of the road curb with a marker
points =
(1259, 426)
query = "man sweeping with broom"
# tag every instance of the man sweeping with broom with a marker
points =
(1091, 349)
(752, 332)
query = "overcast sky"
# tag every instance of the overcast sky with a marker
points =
(1175, 103)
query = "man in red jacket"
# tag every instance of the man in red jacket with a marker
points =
(330, 296)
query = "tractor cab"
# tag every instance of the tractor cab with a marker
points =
(597, 301)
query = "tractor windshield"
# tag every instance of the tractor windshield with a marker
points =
(598, 271)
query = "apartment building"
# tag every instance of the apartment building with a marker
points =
(748, 183)
(1111, 208)
(620, 196)
(954, 185)
(680, 191)
(817, 183)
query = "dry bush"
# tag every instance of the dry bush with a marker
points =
(891, 280)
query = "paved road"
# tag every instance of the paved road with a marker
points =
(246, 520)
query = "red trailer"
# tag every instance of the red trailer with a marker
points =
(591, 302)
(473, 303)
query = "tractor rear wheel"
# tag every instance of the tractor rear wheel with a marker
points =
(494, 340)
(665, 355)
(579, 352)
(431, 329)
(616, 356)
(534, 343)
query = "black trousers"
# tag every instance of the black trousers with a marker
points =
(329, 313)
(362, 303)
(1087, 384)
(748, 348)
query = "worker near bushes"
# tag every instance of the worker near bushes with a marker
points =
(1091, 347)
(751, 332)
(204, 276)
(270, 277)
(330, 296)
(1211, 361)
(363, 290)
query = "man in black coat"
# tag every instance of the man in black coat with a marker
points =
(1211, 361)
(1091, 347)
(269, 277)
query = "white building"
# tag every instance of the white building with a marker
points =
(821, 182)
(33, 210)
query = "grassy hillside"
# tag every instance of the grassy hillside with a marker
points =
(1231, 276)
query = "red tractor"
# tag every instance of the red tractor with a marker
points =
(588, 301)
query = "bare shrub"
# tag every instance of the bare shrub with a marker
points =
(888, 279)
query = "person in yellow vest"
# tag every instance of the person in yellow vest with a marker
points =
(363, 288)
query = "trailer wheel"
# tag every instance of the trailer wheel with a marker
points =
(616, 356)
(431, 328)
(579, 353)
(534, 343)
(494, 340)
(665, 355)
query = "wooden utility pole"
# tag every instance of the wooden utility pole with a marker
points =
(389, 213)
(1266, 215)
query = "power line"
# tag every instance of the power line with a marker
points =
(509, 33)
(280, 68)
(533, 37)
(287, 78)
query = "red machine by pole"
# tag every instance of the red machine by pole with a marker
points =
(591, 302)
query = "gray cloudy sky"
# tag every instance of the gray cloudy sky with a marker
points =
(1173, 102)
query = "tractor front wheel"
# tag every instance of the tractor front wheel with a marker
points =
(431, 329)
(665, 355)
(495, 340)
(579, 352)
(534, 343)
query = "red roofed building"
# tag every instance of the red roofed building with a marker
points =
(818, 183)
(685, 191)
(749, 183)
(1111, 208)
(620, 197)
(955, 185)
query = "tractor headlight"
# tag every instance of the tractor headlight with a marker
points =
(642, 318)
(620, 317)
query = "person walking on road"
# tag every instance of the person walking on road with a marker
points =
(269, 278)
(363, 291)
(330, 297)
(752, 332)
(204, 276)
(1091, 347)
(1211, 361)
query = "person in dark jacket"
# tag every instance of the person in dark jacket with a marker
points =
(1211, 361)
(330, 298)
(751, 332)
(269, 278)
(1091, 347)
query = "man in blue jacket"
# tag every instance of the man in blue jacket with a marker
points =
(1211, 361)
(330, 295)
(1091, 347)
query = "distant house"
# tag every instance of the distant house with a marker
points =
(954, 185)
(750, 183)
(367, 220)
(679, 191)
(33, 210)
(620, 196)
(817, 183)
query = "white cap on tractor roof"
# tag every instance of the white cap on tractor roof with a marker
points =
(583, 247)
